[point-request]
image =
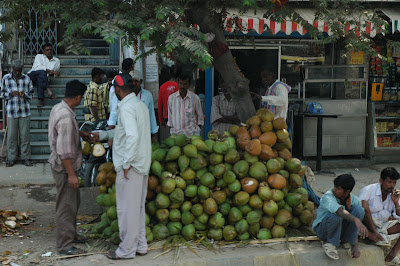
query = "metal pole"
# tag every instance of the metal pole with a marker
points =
(319, 143)
(208, 101)
(279, 62)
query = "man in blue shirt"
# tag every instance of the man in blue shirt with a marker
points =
(147, 98)
(339, 218)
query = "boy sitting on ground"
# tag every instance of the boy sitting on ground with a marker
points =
(339, 218)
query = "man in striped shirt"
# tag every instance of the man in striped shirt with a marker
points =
(17, 90)
(184, 110)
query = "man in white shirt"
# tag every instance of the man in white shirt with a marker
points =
(45, 65)
(128, 65)
(275, 94)
(381, 202)
(131, 158)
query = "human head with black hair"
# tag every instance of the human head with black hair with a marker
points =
(268, 77)
(123, 84)
(110, 76)
(97, 75)
(47, 50)
(74, 92)
(344, 184)
(127, 65)
(388, 180)
(183, 84)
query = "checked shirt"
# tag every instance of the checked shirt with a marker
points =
(17, 106)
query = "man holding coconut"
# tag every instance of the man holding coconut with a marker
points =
(132, 159)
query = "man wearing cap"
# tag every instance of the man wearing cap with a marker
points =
(147, 98)
(65, 161)
(131, 158)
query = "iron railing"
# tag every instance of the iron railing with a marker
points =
(38, 31)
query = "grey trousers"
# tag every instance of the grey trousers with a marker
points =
(67, 205)
(334, 228)
(131, 198)
(18, 127)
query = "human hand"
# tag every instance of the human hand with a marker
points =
(362, 230)
(85, 136)
(395, 196)
(153, 137)
(22, 94)
(110, 143)
(163, 123)
(73, 181)
(57, 73)
(126, 172)
(14, 93)
(375, 237)
(95, 136)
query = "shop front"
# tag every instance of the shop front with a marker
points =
(325, 74)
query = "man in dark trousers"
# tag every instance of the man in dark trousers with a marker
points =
(65, 160)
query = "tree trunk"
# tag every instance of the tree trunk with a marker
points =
(237, 84)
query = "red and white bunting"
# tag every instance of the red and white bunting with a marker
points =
(260, 25)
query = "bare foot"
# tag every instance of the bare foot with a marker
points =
(51, 94)
(355, 252)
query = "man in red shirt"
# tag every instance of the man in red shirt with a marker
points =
(166, 90)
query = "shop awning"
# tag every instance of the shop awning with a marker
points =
(251, 24)
(394, 15)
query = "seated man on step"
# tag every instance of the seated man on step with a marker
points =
(44, 67)
(339, 218)
(381, 203)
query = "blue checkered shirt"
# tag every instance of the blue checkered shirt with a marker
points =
(17, 106)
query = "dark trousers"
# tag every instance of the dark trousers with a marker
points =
(67, 205)
(334, 228)
(40, 80)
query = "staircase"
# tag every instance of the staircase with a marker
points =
(72, 67)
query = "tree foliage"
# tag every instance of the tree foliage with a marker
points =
(177, 28)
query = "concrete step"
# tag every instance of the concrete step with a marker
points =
(45, 110)
(42, 122)
(40, 147)
(40, 157)
(39, 134)
(95, 43)
(64, 79)
(75, 70)
(77, 60)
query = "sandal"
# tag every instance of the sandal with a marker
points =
(80, 239)
(113, 256)
(395, 261)
(28, 163)
(141, 254)
(52, 96)
(71, 251)
(347, 247)
(10, 164)
(330, 251)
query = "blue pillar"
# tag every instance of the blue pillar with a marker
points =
(208, 100)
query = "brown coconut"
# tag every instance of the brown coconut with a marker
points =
(277, 181)
(265, 115)
(254, 147)
(279, 123)
(285, 154)
(254, 120)
(282, 135)
(268, 138)
(255, 132)
(249, 184)
(266, 126)
(242, 142)
(266, 152)
(242, 133)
